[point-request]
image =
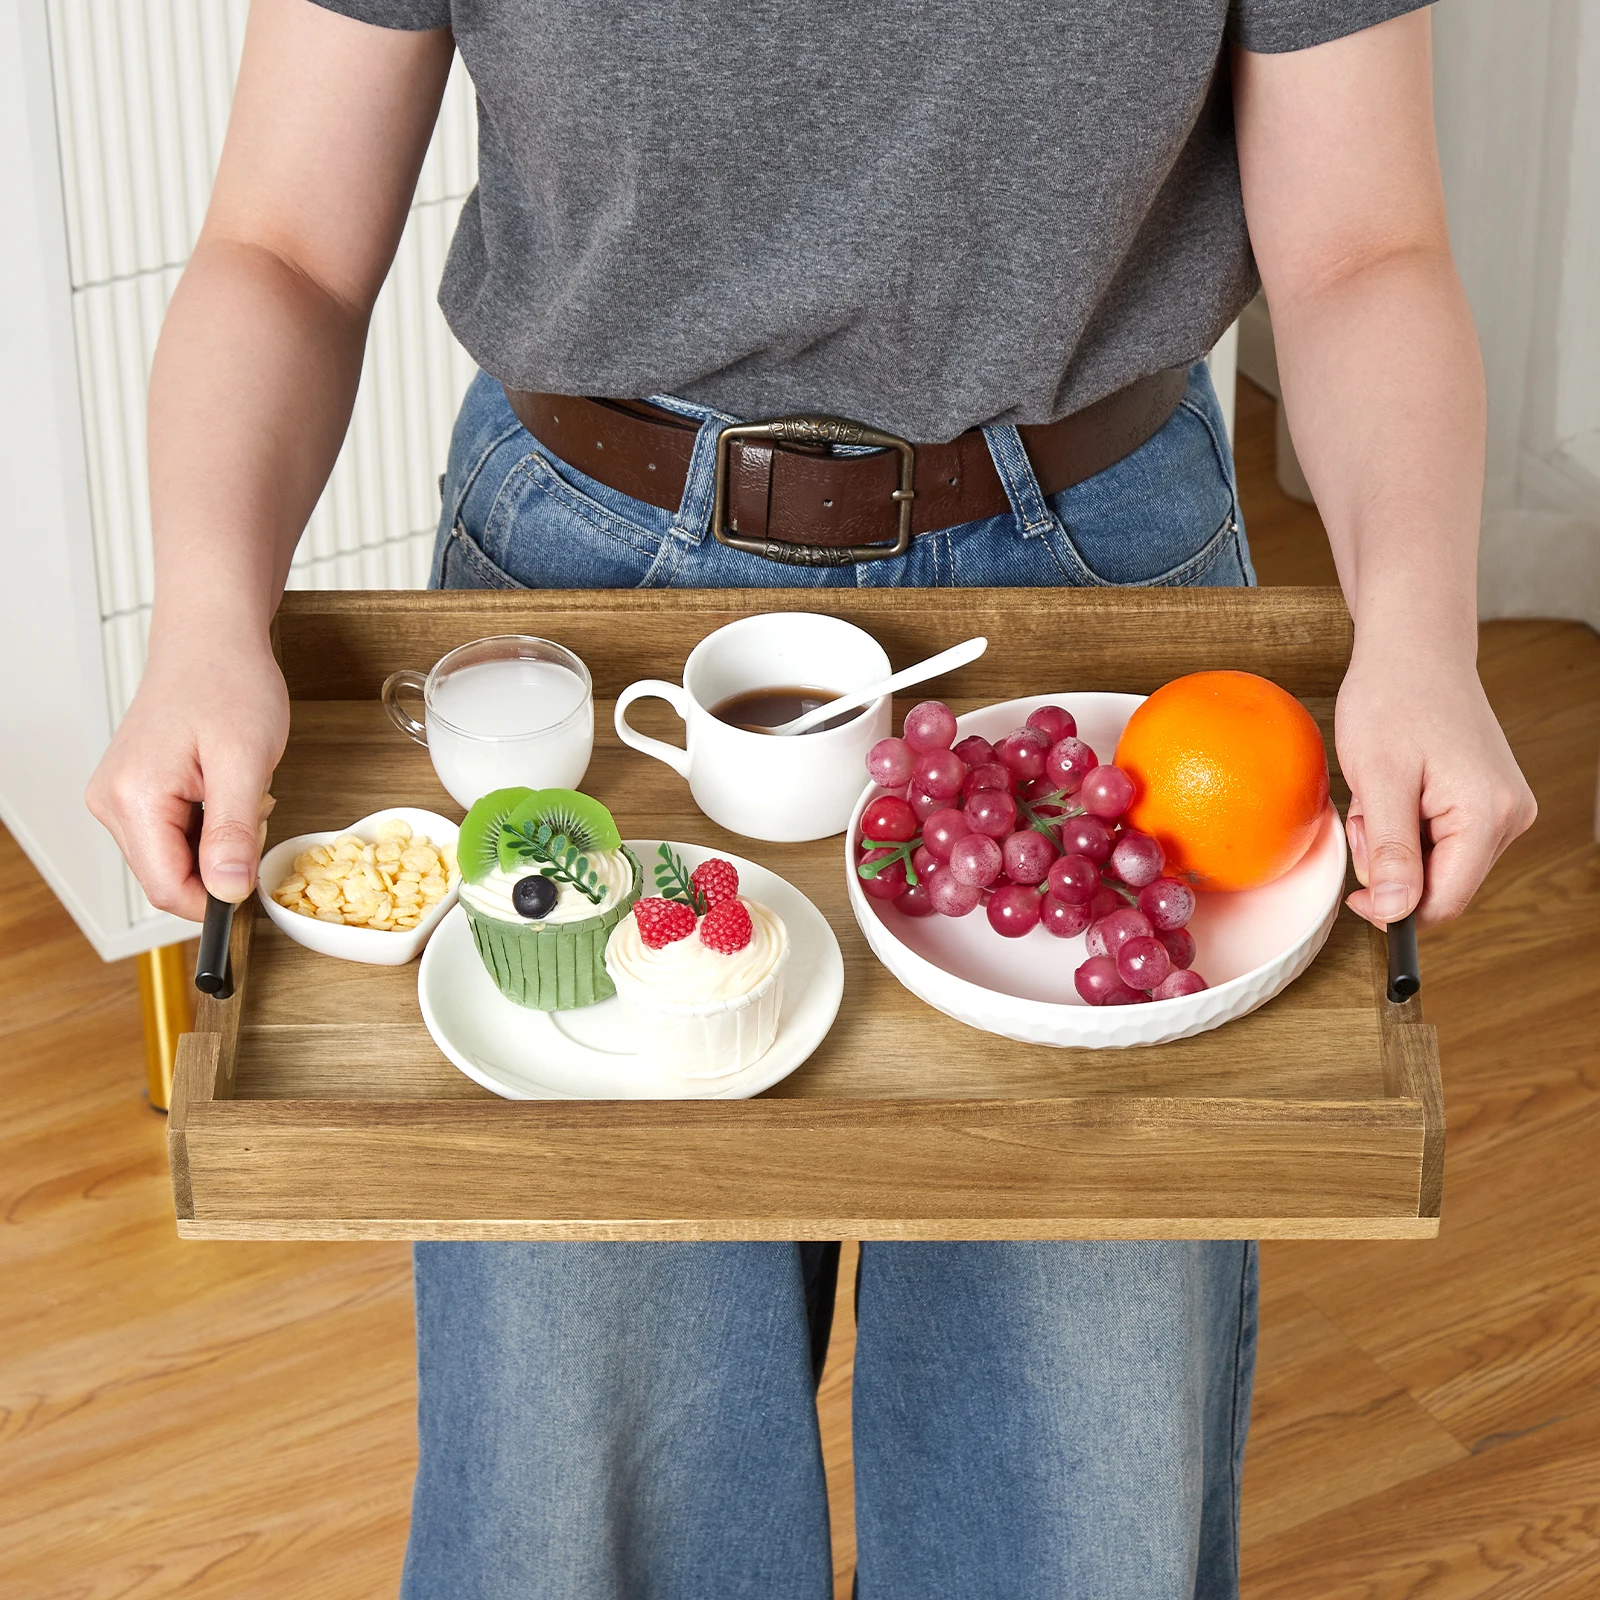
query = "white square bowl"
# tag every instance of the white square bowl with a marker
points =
(372, 945)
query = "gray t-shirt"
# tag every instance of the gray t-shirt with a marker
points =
(923, 214)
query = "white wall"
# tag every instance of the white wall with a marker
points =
(1517, 87)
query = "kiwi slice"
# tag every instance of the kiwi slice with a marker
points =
(586, 823)
(478, 847)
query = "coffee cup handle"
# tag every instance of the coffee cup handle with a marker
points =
(398, 715)
(653, 688)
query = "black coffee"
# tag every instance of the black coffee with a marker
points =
(761, 710)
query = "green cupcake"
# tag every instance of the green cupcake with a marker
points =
(545, 877)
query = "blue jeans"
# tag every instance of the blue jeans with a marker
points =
(1053, 1421)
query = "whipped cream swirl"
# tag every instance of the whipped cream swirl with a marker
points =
(688, 971)
(492, 895)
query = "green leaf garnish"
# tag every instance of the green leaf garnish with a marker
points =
(555, 856)
(674, 883)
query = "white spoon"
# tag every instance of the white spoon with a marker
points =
(946, 661)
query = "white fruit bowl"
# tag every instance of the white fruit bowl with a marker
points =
(1249, 946)
(372, 945)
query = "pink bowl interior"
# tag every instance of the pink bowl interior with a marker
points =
(1234, 933)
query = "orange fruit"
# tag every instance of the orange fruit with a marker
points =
(1229, 774)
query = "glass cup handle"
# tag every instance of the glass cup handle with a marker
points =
(674, 695)
(398, 715)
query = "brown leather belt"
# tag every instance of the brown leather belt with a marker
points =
(784, 493)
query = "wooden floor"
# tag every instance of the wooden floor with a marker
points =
(236, 1420)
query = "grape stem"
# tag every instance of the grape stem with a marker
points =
(1040, 824)
(902, 849)
(1118, 887)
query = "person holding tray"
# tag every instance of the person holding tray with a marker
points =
(1006, 235)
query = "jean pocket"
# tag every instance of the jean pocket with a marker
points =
(463, 565)
(1166, 515)
(544, 532)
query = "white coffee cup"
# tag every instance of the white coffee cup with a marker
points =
(756, 784)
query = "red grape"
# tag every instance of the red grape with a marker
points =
(1124, 996)
(916, 901)
(1179, 943)
(1137, 859)
(1178, 983)
(1054, 723)
(923, 805)
(1069, 762)
(1014, 910)
(992, 812)
(1107, 936)
(1143, 962)
(1086, 836)
(974, 750)
(1022, 753)
(939, 772)
(1168, 902)
(1064, 921)
(1106, 792)
(889, 763)
(975, 860)
(1105, 901)
(888, 817)
(924, 860)
(1075, 880)
(942, 829)
(1096, 980)
(986, 775)
(950, 896)
(889, 884)
(930, 726)
(1027, 855)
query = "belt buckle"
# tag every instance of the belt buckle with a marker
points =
(815, 430)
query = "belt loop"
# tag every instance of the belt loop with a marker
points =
(1016, 474)
(699, 484)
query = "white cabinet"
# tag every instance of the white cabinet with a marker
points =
(111, 117)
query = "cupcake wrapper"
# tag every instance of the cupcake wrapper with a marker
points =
(556, 966)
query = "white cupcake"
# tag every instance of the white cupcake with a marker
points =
(701, 983)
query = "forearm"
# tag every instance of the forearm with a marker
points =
(250, 394)
(1383, 385)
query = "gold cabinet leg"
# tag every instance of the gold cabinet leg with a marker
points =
(164, 991)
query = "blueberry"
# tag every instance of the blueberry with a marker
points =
(533, 896)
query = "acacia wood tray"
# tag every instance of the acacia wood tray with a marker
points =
(313, 1104)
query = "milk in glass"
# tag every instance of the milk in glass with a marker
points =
(493, 724)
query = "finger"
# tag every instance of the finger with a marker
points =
(1355, 828)
(231, 831)
(1390, 803)
(1459, 862)
(156, 843)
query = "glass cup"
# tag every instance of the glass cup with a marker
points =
(498, 712)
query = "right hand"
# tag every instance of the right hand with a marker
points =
(208, 723)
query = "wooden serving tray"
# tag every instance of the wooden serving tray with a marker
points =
(313, 1104)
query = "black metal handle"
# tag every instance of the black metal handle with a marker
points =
(213, 970)
(1405, 972)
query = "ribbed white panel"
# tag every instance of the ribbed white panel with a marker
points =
(142, 92)
(117, 324)
(124, 640)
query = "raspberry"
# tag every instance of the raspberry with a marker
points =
(716, 882)
(662, 922)
(726, 928)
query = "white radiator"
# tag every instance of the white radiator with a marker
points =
(141, 92)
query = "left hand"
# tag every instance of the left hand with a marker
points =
(1425, 759)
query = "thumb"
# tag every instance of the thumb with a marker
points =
(232, 826)
(1390, 866)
